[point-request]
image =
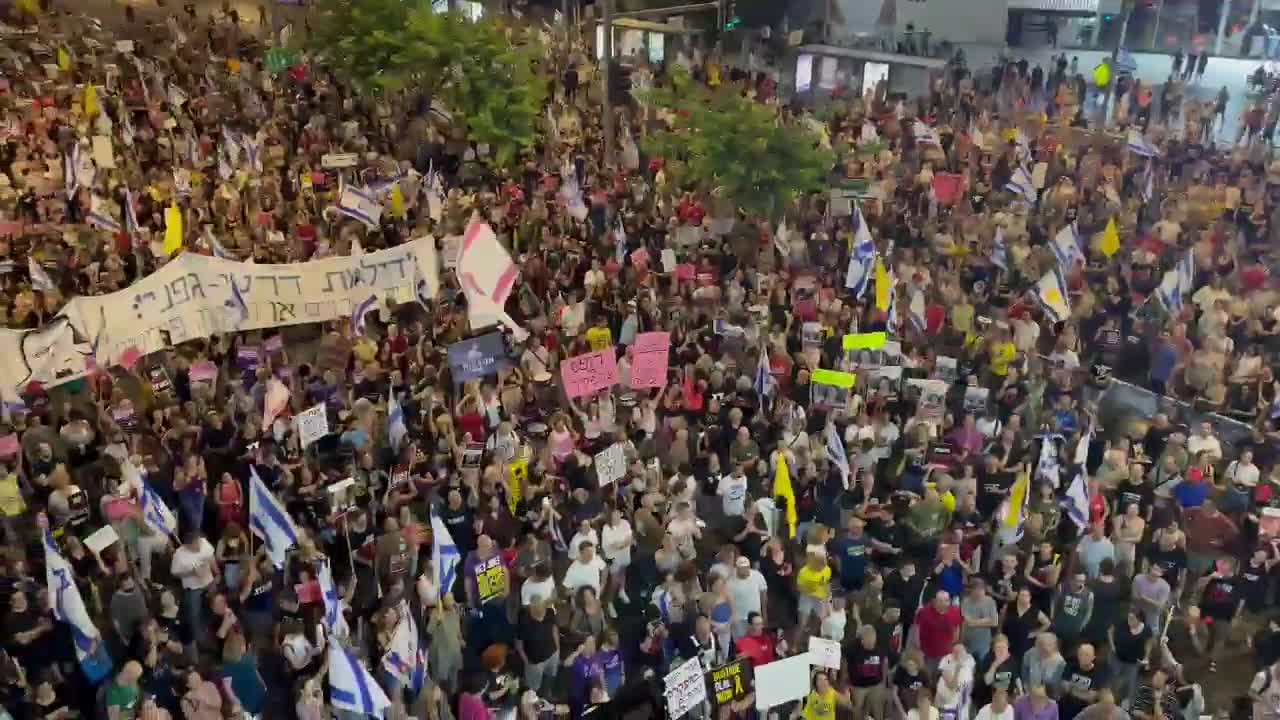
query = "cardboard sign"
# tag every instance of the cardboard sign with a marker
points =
(864, 341)
(247, 357)
(517, 477)
(684, 688)
(101, 539)
(650, 360)
(834, 378)
(589, 373)
(729, 683)
(205, 371)
(611, 464)
(159, 379)
(312, 424)
(824, 653)
(339, 160)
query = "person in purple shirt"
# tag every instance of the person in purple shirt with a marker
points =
(585, 668)
(1036, 705)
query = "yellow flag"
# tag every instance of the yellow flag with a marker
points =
(882, 286)
(1102, 75)
(64, 60)
(1110, 239)
(30, 7)
(91, 100)
(397, 201)
(1017, 503)
(172, 229)
(782, 488)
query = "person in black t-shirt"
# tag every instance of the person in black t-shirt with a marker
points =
(1220, 601)
(1131, 645)
(1170, 555)
(1081, 680)
(538, 644)
(1254, 578)
(998, 670)
(868, 670)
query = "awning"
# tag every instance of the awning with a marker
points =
(1069, 7)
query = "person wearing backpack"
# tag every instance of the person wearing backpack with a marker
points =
(1264, 691)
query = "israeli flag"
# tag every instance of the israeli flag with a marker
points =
(1066, 248)
(362, 310)
(396, 429)
(405, 658)
(69, 607)
(381, 189)
(836, 453)
(891, 315)
(444, 555)
(764, 379)
(216, 247)
(236, 307)
(1178, 283)
(155, 512)
(360, 205)
(1139, 145)
(1148, 187)
(1047, 465)
(862, 259)
(131, 224)
(1022, 185)
(100, 217)
(269, 520)
(915, 311)
(1000, 251)
(40, 280)
(620, 238)
(334, 619)
(351, 686)
(253, 149)
(1076, 502)
(232, 145)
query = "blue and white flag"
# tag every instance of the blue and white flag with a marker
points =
(444, 555)
(131, 224)
(1022, 185)
(862, 258)
(1076, 501)
(764, 378)
(1140, 145)
(1178, 283)
(334, 619)
(405, 658)
(232, 144)
(891, 315)
(40, 280)
(1066, 248)
(916, 311)
(1148, 185)
(351, 686)
(155, 513)
(253, 150)
(69, 607)
(1000, 251)
(396, 429)
(359, 315)
(836, 453)
(1047, 466)
(361, 205)
(100, 216)
(215, 247)
(269, 520)
(236, 308)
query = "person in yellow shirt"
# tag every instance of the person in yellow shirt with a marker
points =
(1003, 353)
(821, 702)
(600, 336)
(814, 583)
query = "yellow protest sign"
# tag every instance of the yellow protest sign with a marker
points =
(864, 341)
(1110, 243)
(64, 60)
(517, 476)
(834, 378)
(91, 107)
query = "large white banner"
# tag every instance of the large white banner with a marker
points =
(192, 297)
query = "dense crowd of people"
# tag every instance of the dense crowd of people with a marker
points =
(877, 445)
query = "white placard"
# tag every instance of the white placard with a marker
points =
(187, 299)
(124, 46)
(339, 160)
(101, 539)
(685, 689)
(312, 423)
(611, 464)
(782, 681)
(946, 368)
(824, 653)
(104, 154)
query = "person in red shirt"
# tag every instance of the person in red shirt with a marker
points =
(938, 625)
(757, 645)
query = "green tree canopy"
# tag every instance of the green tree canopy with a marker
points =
(488, 82)
(724, 140)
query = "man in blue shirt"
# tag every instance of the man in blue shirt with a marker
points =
(1164, 360)
(850, 550)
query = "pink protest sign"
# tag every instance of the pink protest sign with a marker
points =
(204, 371)
(8, 445)
(589, 373)
(649, 364)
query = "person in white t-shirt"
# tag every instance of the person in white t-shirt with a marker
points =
(733, 493)
(616, 539)
(586, 571)
(585, 534)
(193, 563)
(999, 707)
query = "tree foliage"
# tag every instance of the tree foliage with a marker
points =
(490, 83)
(724, 140)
